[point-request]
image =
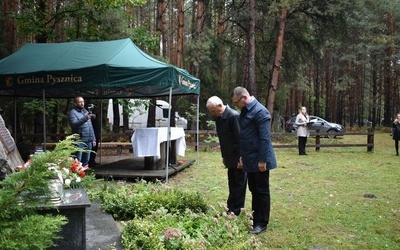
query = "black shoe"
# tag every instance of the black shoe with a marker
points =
(233, 212)
(257, 230)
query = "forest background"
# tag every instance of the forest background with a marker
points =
(338, 58)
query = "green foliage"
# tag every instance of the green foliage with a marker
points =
(103, 4)
(30, 112)
(211, 138)
(23, 191)
(91, 20)
(132, 105)
(127, 201)
(144, 40)
(188, 230)
(211, 124)
(31, 231)
(191, 113)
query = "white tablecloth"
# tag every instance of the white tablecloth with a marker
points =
(146, 141)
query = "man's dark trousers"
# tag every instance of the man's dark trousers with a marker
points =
(237, 189)
(261, 199)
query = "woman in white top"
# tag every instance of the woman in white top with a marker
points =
(302, 120)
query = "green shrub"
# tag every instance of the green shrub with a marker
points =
(127, 201)
(188, 230)
(30, 232)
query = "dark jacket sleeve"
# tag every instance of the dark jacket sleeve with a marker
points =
(236, 128)
(263, 123)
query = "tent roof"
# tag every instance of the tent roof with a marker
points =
(92, 69)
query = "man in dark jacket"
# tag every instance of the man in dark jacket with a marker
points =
(81, 123)
(228, 130)
(257, 154)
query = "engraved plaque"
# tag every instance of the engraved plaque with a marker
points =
(5, 137)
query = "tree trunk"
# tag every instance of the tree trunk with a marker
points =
(317, 87)
(42, 36)
(328, 84)
(252, 48)
(388, 69)
(243, 77)
(117, 116)
(181, 25)
(199, 29)
(151, 118)
(59, 26)
(161, 26)
(10, 6)
(172, 42)
(278, 59)
(54, 125)
(221, 27)
(374, 88)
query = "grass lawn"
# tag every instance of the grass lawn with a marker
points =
(319, 201)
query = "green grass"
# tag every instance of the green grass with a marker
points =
(318, 200)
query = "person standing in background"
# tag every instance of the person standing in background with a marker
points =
(81, 124)
(302, 120)
(396, 133)
(96, 123)
(228, 130)
(257, 156)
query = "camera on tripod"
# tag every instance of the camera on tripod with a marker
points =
(90, 108)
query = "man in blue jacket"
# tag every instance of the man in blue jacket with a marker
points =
(257, 154)
(81, 123)
(228, 130)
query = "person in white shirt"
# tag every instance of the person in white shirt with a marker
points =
(302, 120)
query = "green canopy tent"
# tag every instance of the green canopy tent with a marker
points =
(109, 69)
(91, 69)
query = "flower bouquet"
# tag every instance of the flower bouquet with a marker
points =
(71, 175)
(61, 164)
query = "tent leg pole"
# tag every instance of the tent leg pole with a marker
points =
(197, 130)
(168, 136)
(101, 131)
(44, 120)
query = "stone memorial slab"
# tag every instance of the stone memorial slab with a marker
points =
(73, 206)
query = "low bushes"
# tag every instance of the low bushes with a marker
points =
(158, 217)
(187, 230)
(127, 201)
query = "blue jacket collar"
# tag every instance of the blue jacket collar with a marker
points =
(252, 102)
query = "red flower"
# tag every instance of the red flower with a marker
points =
(82, 174)
(76, 162)
(74, 168)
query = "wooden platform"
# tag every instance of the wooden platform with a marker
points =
(133, 168)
